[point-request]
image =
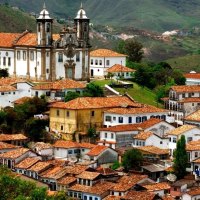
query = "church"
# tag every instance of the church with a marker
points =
(45, 56)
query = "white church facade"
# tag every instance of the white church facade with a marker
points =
(47, 56)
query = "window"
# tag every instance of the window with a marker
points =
(161, 142)
(174, 140)
(112, 135)
(18, 55)
(163, 117)
(61, 127)
(69, 151)
(24, 55)
(170, 139)
(90, 198)
(106, 135)
(138, 119)
(58, 112)
(9, 61)
(189, 139)
(144, 118)
(47, 54)
(96, 62)
(100, 62)
(60, 57)
(36, 93)
(78, 57)
(38, 27)
(4, 61)
(107, 62)
(6, 53)
(91, 62)
(120, 119)
(108, 118)
(48, 27)
(183, 95)
(2, 93)
(127, 74)
(192, 104)
(47, 70)
(68, 113)
(92, 113)
(196, 154)
(114, 118)
(32, 55)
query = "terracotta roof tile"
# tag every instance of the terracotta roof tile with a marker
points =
(143, 135)
(186, 88)
(119, 68)
(11, 81)
(28, 39)
(106, 171)
(40, 166)
(60, 85)
(97, 150)
(190, 100)
(66, 180)
(194, 192)
(27, 162)
(4, 145)
(21, 100)
(14, 153)
(192, 75)
(88, 175)
(41, 145)
(7, 39)
(11, 137)
(133, 195)
(132, 127)
(105, 53)
(193, 146)
(98, 189)
(75, 169)
(94, 102)
(138, 110)
(182, 129)
(157, 186)
(195, 116)
(66, 144)
(112, 197)
(153, 150)
(7, 88)
(125, 183)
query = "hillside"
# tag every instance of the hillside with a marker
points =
(160, 15)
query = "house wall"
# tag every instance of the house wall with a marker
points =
(100, 69)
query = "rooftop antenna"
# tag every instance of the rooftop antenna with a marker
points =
(44, 5)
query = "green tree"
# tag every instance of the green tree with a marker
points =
(93, 90)
(180, 158)
(71, 95)
(133, 49)
(132, 159)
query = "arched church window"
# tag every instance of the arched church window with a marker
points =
(38, 27)
(78, 57)
(60, 57)
(48, 27)
(6, 53)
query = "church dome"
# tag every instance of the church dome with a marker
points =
(44, 14)
(81, 14)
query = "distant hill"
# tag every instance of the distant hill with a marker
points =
(157, 15)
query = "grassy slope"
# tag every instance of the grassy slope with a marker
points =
(144, 14)
(140, 94)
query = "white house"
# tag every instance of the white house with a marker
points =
(120, 71)
(191, 133)
(193, 149)
(150, 139)
(102, 59)
(58, 89)
(129, 115)
(193, 118)
(192, 78)
(122, 135)
(193, 194)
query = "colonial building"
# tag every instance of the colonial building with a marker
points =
(47, 56)
(192, 78)
(102, 59)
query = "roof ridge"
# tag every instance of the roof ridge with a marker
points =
(21, 35)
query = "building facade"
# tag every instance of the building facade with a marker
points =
(47, 56)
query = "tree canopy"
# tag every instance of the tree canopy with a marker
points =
(132, 159)
(180, 158)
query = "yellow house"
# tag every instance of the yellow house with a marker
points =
(80, 114)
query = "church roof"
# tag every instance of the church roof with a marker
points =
(7, 39)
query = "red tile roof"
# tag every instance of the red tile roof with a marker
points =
(143, 135)
(192, 75)
(119, 68)
(60, 85)
(11, 81)
(186, 88)
(105, 53)
(132, 127)
(66, 180)
(88, 175)
(194, 192)
(7, 39)
(193, 146)
(138, 110)
(26, 163)
(157, 186)
(14, 153)
(190, 100)
(28, 39)
(40, 166)
(7, 88)
(11, 137)
(125, 183)
(21, 100)
(4, 145)
(137, 195)
(95, 102)
(153, 150)
(195, 116)
(97, 150)
(182, 129)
